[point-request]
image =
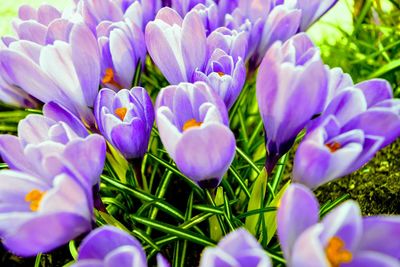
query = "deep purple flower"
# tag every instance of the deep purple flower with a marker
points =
(291, 89)
(122, 47)
(66, 71)
(185, 6)
(46, 148)
(171, 41)
(312, 10)
(193, 125)
(358, 122)
(108, 246)
(341, 238)
(238, 248)
(337, 81)
(125, 119)
(38, 214)
(224, 76)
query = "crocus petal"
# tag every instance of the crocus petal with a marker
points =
(86, 59)
(57, 112)
(32, 31)
(298, 210)
(211, 160)
(27, 75)
(126, 256)
(375, 91)
(34, 129)
(373, 259)
(308, 250)
(12, 153)
(193, 39)
(344, 222)
(378, 233)
(102, 241)
(86, 158)
(47, 13)
(88, 263)
(131, 139)
(44, 233)
(162, 262)
(162, 51)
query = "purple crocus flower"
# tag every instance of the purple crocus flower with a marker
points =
(341, 238)
(224, 75)
(312, 10)
(46, 148)
(38, 214)
(193, 125)
(265, 24)
(171, 41)
(125, 119)
(32, 24)
(238, 248)
(185, 6)
(122, 47)
(291, 89)
(357, 123)
(234, 43)
(108, 246)
(66, 71)
(210, 15)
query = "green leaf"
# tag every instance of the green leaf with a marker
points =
(270, 217)
(216, 232)
(256, 201)
(118, 163)
(112, 221)
(72, 249)
(386, 68)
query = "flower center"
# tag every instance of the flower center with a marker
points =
(336, 253)
(220, 73)
(334, 146)
(121, 112)
(34, 197)
(109, 78)
(190, 124)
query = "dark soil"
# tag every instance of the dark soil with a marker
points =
(376, 186)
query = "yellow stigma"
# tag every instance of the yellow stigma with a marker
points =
(336, 253)
(220, 73)
(34, 197)
(333, 147)
(121, 112)
(190, 124)
(109, 78)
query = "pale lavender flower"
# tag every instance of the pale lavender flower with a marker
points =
(291, 89)
(238, 248)
(341, 238)
(193, 126)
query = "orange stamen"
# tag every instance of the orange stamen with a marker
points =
(34, 197)
(336, 253)
(220, 73)
(121, 112)
(190, 124)
(333, 147)
(109, 78)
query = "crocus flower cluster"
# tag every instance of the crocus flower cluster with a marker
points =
(83, 66)
(359, 120)
(341, 238)
(46, 198)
